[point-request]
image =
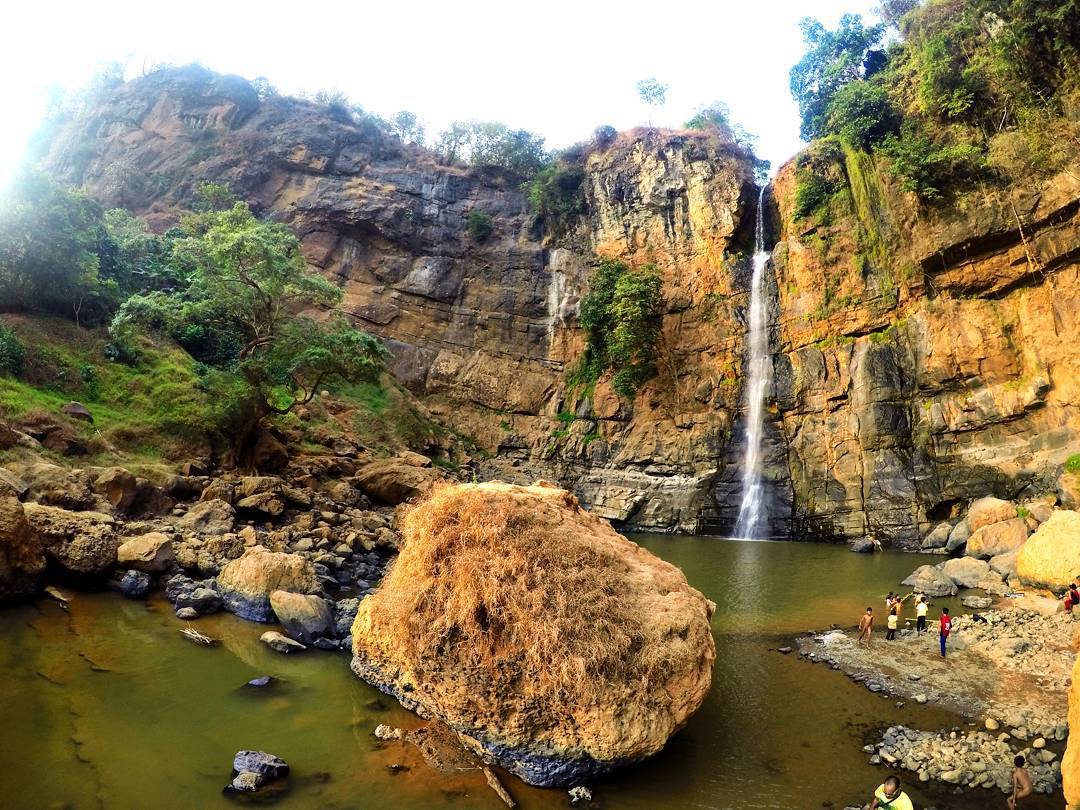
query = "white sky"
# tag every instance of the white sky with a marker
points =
(559, 68)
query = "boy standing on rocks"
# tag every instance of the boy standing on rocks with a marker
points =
(866, 626)
(946, 628)
(1021, 782)
(920, 613)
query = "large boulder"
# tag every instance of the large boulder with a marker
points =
(209, 517)
(958, 537)
(80, 544)
(151, 553)
(1070, 763)
(1051, 557)
(966, 572)
(22, 564)
(997, 538)
(989, 510)
(53, 485)
(118, 487)
(938, 538)
(394, 481)
(553, 645)
(303, 616)
(246, 583)
(930, 580)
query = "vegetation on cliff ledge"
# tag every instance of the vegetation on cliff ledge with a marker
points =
(621, 316)
(974, 90)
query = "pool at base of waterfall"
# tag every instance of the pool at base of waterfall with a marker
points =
(109, 706)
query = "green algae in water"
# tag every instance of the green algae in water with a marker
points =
(109, 706)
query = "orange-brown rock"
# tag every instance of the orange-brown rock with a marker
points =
(393, 481)
(998, 538)
(1070, 763)
(22, 564)
(553, 645)
(247, 582)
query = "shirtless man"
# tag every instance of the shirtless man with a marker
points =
(1021, 783)
(866, 626)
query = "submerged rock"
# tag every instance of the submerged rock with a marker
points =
(247, 582)
(554, 646)
(260, 762)
(281, 643)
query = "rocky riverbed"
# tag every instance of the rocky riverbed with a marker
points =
(975, 759)
(1015, 665)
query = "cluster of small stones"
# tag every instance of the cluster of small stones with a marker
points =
(348, 545)
(1023, 641)
(975, 759)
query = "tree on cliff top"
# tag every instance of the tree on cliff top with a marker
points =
(833, 60)
(489, 143)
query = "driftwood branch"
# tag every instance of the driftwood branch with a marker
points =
(497, 786)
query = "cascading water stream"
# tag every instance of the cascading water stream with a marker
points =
(759, 365)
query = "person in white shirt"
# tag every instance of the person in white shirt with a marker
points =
(920, 612)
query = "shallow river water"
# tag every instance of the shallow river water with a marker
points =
(107, 706)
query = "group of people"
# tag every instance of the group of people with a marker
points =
(893, 604)
(889, 795)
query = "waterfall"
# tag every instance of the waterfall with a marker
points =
(752, 515)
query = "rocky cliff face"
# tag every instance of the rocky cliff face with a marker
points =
(922, 357)
(926, 356)
(484, 330)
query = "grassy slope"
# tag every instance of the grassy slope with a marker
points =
(152, 415)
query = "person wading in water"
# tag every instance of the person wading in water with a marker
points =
(866, 626)
(1021, 783)
(946, 628)
(893, 620)
(920, 615)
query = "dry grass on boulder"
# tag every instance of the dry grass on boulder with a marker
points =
(512, 610)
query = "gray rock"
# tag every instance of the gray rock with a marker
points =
(187, 613)
(965, 572)
(260, 762)
(930, 580)
(135, 584)
(938, 538)
(958, 536)
(977, 602)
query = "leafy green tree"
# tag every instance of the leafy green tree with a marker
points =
(48, 247)
(860, 113)
(652, 91)
(556, 193)
(622, 314)
(893, 11)
(833, 59)
(243, 310)
(407, 127)
(489, 143)
(717, 115)
(636, 310)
